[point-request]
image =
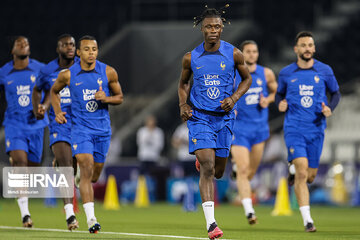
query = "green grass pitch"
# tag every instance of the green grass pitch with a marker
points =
(165, 219)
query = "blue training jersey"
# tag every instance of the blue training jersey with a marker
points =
(305, 90)
(214, 76)
(248, 108)
(88, 114)
(18, 86)
(47, 77)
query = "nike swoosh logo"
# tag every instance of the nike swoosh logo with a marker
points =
(294, 80)
(199, 67)
(10, 82)
(78, 83)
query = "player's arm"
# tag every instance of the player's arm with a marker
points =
(39, 108)
(184, 87)
(228, 103)
(117, 96)
(62, 81)
(272, 86)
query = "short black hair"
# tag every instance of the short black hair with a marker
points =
(211, 12)
(246, 42)
(64, 35)
(303, 34)
(86, 37)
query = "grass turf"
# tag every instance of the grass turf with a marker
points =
(164, 219)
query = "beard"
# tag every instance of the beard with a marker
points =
(306, 59)
(66, 57)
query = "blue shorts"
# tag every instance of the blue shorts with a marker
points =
(308, 145)
(95, 145)
(210, 131)
(30, 141)
(60, 133)
(247, 135)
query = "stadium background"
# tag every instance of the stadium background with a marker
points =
(144, 40)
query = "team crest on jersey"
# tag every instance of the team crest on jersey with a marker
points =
(316, 78)
(222, 65)
(194, 140)
(8, 143)
(32, 78)
(259, 81)
(99, 81)
(292, 150)
(75, 146)
(55, 135)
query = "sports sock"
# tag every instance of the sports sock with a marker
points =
(69, 210)
(248, 207)
(23, 203)
(208, 208)
(305, 213)
(89, 211)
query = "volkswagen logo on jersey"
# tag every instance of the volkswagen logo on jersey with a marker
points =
(91, 106)
(213, 92)
(24, 100)
(306, 101)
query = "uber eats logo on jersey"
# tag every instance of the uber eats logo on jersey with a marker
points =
(23, 91)
(306, 91)
(88, 94)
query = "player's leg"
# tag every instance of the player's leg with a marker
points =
(97, 171)
(63, 156)
(19, 159)
(241, 157)
(256, 154)
(312, 172)
(86, 165)
(302, 192)
(206, 158)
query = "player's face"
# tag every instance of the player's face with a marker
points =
(305, 48)
(66, 48)
(21, 48)
(251, 53)
(88, 51)
(212, 29)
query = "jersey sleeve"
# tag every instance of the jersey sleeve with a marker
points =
(41, 82)
(281, 84)
(331, 82)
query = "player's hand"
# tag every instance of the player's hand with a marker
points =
(325, 110)
(227, 104)
(264, 101)
(185, 112)
(40, 112)
(283, 105)
(100, 95)
(60, 118)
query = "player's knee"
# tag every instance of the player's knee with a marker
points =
(301, 176)
(207, 169)
(19, 162)
(243, 171)
(86, 171)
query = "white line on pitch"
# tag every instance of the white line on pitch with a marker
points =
(113, 233)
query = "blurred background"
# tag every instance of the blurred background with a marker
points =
(144, 40)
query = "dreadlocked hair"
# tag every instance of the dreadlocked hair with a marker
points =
(211, 12)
